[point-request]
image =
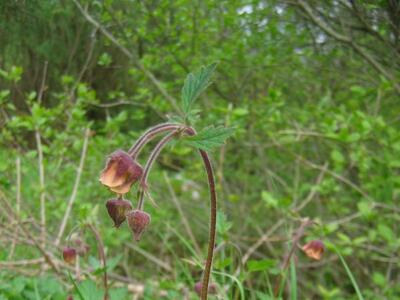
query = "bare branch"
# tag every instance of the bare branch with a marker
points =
(75, 188)
(349, 41)
(131, 56)
(38, 244)
(42, 189)
(17, 204)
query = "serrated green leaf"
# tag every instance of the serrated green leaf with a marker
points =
(195, 83)
(98, 266)
(210, 137)
(223, 225)
(94, 263)
(118, 293)
(113, 262)
(90, 291)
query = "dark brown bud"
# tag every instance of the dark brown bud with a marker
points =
(138, 221)
(314, 249)
(212, 288)
(70, 297)
(121, 172)
(117, 209)
(69, 255)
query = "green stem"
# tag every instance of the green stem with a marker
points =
(299, 233)
(350, 274)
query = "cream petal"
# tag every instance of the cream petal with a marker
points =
(109, 176)
(121, 189)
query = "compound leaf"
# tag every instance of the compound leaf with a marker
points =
(210, 137)
(195, 83)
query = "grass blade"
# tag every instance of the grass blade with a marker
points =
(234, 279)
(293, 280)
(350, 274)
(76, 286)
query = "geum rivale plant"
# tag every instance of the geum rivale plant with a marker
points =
(123, 170)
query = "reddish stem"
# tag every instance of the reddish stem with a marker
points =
(213, 224)
(213, 218)
(149, 135)
(146, 137)
(102, 256)
(153, 156)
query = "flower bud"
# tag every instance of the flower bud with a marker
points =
(314, 249)
(117, 209)
(81, 247)
(212, 288)
(121, 172)
(138, 221)
(69, 255)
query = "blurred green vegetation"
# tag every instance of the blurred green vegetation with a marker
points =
(312, 88)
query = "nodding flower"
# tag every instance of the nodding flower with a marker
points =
(121, 172)
(138, 220)
(117, 209)
(69, 255)
(314, 249)
(81, 247)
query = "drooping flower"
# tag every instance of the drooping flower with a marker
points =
(121, 172)
(138, 220)
(69, 255)
(117, 209)
(81, 247)
(314, 249)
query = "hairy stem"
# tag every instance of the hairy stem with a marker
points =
(141, 200)
(213, 224)
(153, 156)
(102, 257)
(149, 135)
(213, 218)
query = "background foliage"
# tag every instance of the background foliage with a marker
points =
(312, 88)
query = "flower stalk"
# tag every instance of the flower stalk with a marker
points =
(153, 156)
(151, 133)
(213, 199)
(102, 256)
(133, 219)
(213, 224)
